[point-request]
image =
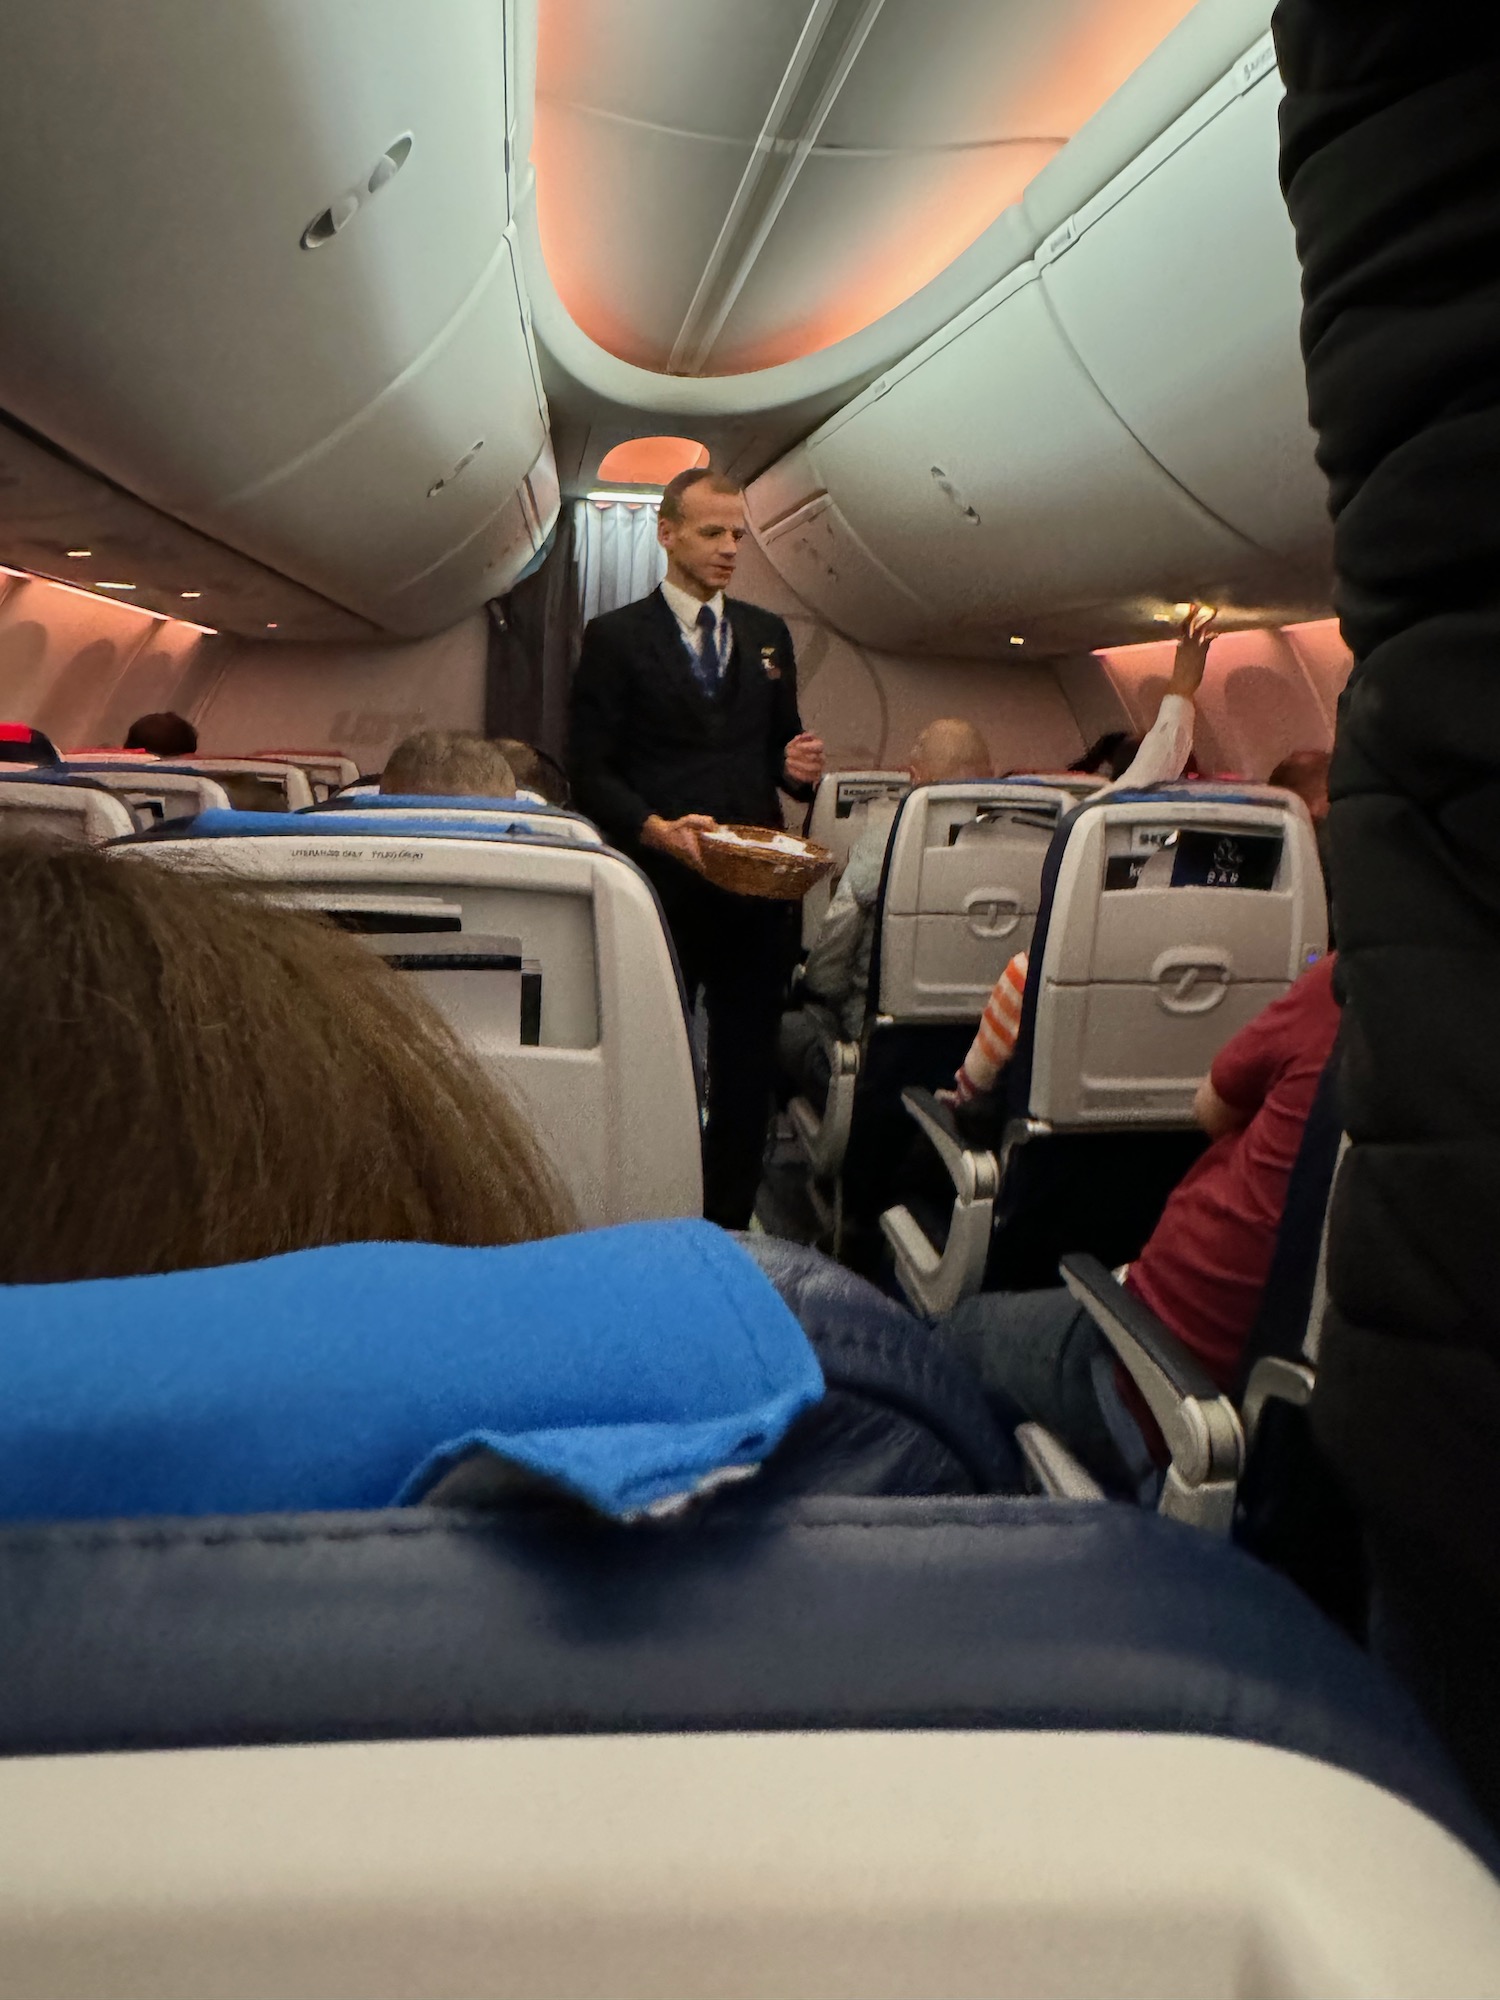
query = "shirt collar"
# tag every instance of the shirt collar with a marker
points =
(685, 608)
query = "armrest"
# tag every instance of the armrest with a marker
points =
(1054, 1468)
(935, 1280)
(1275, 1379)
(825, 1140)
(1199, 1423)
(975, 1175)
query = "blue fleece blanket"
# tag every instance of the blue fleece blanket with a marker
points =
(631, 1366)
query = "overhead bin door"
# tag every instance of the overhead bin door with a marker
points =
(410, 478)
(993, 480)
(1180, 293)
(257, 273)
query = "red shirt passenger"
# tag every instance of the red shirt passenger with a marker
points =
(1039, 1354)
(1205, 1266)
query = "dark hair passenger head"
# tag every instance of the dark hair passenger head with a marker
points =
(164, 734)
(1110, 755)
(1305, 772)
(197, 1076)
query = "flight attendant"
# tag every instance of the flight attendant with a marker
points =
(684, 714)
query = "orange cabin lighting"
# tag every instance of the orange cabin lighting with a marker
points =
(651, 461)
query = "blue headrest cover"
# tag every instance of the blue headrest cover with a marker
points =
(219, 825)
(1203, 793)
(429, 802)
(628, 1365)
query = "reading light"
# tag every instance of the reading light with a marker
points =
(273, 626)
(114, 586)
(188, 594)
(77, 555)
(1015, 641)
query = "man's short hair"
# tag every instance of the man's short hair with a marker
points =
(951, 751)
(165, 734)
(448, 763)
(672, 492)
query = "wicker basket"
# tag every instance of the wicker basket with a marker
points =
(762, 870)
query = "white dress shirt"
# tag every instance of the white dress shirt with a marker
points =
(1164, 751)
(685, 608)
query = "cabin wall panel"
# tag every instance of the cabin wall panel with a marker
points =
(83, 669)
(868, 703)
(1258, 701)
(359, 700)
(69, 664)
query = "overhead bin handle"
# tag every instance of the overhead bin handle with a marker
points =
(992, 913)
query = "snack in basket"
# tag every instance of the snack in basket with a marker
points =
(763, 861)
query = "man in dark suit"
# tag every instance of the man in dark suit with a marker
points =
(684, 715)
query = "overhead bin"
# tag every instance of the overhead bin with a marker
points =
(406, 483)
(1179, 289)
(258, 274)
(1117, 425)
(992, 483)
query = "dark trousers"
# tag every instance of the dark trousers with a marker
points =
(1042, 1360)
(738, 949)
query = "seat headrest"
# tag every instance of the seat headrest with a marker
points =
(218, 825)
(439, 803)
(21, 744)
(630, 1366)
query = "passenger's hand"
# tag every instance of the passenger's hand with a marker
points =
(1194, 640)
(804, 759)
(678, 837)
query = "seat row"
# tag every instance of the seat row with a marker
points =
(1157, 924)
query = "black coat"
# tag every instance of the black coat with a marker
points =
(1391, 166)
(645, 739)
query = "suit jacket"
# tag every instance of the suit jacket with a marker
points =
(645, 739)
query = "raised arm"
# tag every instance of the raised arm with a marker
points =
(1168, 743)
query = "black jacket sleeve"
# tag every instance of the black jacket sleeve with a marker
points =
(600, 708)
(788, 721)
(1391, 168)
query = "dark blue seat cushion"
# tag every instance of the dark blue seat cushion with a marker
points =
(827, 1614)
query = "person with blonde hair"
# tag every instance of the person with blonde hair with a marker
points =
(448, 763)
(198, 1076)
(948, 751)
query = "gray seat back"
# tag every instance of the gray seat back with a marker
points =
(840, 814)
(1175, 917)
(82, 811)
(157, 795)
(551, 962)
(962, 885)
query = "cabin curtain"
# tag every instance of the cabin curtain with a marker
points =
(533, 645)
(617, 555)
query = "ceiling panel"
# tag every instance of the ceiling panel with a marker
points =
(721, 188)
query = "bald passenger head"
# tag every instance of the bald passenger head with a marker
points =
(1305, 772)
(950, 751)
(448, 763)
